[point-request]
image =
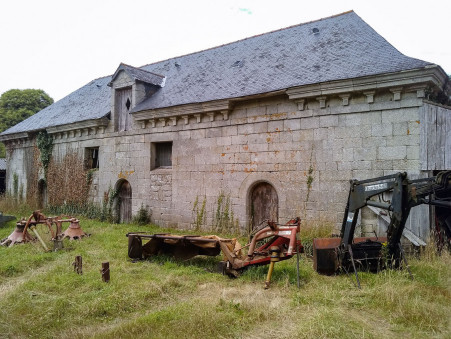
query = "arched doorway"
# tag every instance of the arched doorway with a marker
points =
(264, 204)
(124, 201)
(42, 194)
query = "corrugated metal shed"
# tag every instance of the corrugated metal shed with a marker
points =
(335, 48)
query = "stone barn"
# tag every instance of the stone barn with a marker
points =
(270, 127)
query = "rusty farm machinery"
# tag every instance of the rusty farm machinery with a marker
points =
(395, 195)
(22, 234)
(269, 244)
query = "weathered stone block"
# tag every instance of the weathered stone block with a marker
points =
(365, 153)
(374, 141)
(308, 123)
(302, 135)
(261, 127)
(391, 152)
(213, 133)
(246, 129)
(382, 130)
(413, 152)
(292, 124)
(407, 140)
(275, 126)
(328, 121)
(400, 115)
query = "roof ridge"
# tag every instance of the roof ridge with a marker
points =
(250, 37)
(140, 69)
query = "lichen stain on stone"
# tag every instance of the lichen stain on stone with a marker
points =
(408, 131)
(248, 170)
(125, 174)
(268, 139)
(222, 154)
(245, 147)
(276, 116)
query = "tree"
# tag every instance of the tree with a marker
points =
(17, 105)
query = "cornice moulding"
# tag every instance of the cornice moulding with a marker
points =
(190, 109)
(103, 122)
(431, 74)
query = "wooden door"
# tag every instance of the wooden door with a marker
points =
(264, 204)
(125, 202)
(123, 107)
(42, 194)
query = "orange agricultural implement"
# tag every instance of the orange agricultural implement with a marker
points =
(270, 243)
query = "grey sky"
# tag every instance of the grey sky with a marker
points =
(59, 45)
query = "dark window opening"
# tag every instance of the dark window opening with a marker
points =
(128, 104)
(163, 154)
(92, 158)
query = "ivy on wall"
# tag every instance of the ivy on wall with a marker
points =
(44, 141)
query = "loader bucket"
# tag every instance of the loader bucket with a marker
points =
(325, 259)
(367, 254)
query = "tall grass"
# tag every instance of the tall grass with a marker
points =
(42, 297)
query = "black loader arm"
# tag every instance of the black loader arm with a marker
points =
(406, 194)
(352, 253)
(359, 194)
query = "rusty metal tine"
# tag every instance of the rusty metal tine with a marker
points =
(353, 265)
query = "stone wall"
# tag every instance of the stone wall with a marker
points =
(307, 153)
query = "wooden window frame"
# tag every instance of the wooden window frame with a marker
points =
(92, 162)
(156, 156)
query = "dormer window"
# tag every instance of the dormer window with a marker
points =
(123, 105)
(130, 87)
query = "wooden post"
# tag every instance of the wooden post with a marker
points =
(78, 264)
(105, 271)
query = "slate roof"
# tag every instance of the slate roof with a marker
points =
(334, 48)
(141, 75)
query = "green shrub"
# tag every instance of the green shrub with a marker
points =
(143, 216)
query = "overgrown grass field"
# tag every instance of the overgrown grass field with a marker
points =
(42, 297)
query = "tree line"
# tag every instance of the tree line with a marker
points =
(17, 105)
